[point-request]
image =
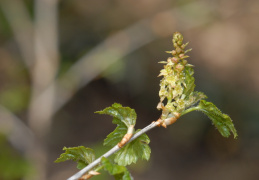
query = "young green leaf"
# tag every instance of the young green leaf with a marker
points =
(115, 137)
(136, 149)
(125, 114)
(197, 96)
(222, 121)
(82, 155)
(194, 98)
(189, 81)
(119, 172)
(124, 117)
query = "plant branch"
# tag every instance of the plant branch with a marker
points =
(190, 110)
(112, 151)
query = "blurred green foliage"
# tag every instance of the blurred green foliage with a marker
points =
(15, 98)
(12, 165)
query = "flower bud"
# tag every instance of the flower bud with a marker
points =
(179, 42)
(178, 36)
(179, 67)
(178, 50)
(184, 62)
(175, 59)
(181, 55)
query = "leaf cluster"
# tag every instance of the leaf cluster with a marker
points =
(123, 117)
(82, 155)
(138, 148)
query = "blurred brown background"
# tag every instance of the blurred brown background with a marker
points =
(60, 61)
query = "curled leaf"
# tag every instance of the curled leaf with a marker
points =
(222, 121)
(115, 137)
(125, 118)
(82, 155)
(124, 114)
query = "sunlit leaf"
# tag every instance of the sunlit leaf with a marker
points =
(222, 121)
(123, 117)
(125, 114)
(137, 149)
(115, 137)
(82, 155)
(119, 172)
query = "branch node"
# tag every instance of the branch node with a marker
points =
(159, 122)
(126, 137)
(167, 121)
(171, 120)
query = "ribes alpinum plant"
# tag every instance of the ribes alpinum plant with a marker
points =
(177, 97)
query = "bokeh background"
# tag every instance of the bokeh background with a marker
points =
(62, 60)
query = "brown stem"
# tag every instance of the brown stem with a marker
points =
(168, 121)
(125, 139)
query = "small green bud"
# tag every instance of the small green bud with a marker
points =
(170, 107)
(185, 62)
(173, 52)
(179, 67)
(181, 55)
(180, 104)
(179, 43)
(175, 59)
(178, 50)
(178, 36)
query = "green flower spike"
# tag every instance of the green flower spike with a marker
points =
(177, 91)
(177, 85)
